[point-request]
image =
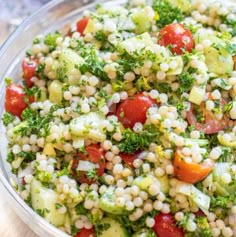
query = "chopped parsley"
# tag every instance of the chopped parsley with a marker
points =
(7, 118)
(132, 141)
(166, 12)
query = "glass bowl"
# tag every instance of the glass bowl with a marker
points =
(53, 16)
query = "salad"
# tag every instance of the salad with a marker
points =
(124, 125)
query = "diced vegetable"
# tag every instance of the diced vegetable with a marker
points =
(55, 92)
(198, 197)
(44, 202)
(196, 95)
(110, 227)
(107, 202)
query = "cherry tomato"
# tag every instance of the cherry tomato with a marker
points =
(211, 124)
(81, 25)
(165, 226)
(129, 158)
(177, 37)
(29, 67)
(85, 233)
(95, 154)
(133, 110)
(15, 99)
(190, 172)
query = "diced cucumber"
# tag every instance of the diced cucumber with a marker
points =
(196, 95)
(55, 92)
(88, 126)
(69, 60)
(195, 195)
(179, 68)
(144, 182)
(44, 200)
(111, 228)
(184, 5)
(219, 60)
(222, 188)
(142, 21)
(107, 202)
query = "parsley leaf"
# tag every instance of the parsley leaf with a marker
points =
(132, 141)
(167, 12)
(186, 82)
(50, 40)
(7, 118)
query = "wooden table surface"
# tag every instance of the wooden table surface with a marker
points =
(11, 224)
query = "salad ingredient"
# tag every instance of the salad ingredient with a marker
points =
(165, 225)
(85, 233)
(166, 12)
(29, 67)
(81, 25)
(16, 100)
(177, 38)
(45, 202)
(111, 227)
(189, 171)
(140, 104)
(210, 124)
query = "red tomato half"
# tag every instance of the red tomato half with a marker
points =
(96, 156)
(29, 68)
(210, 125)
(15, 99)
(81, 25)
(129, 158)
(165, 226)
(177, 37)
(85, 233)
(133, 110)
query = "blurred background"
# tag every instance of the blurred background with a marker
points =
(13, 12)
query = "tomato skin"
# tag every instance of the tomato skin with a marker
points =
(190, 172)
(29, 70)
(129, 158)
(81, 25)
(85, 233)
(165, 226)
(96, 156)
(133, 110)
(211, 125)
(178, 37)
(14, 99)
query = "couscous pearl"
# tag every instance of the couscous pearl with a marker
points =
(150, 222)
(220, 224)
(215, 153)
(129, 205)
(179, 216)
(215, 232)
(147, 207)
(227, 232)
(138, 202)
